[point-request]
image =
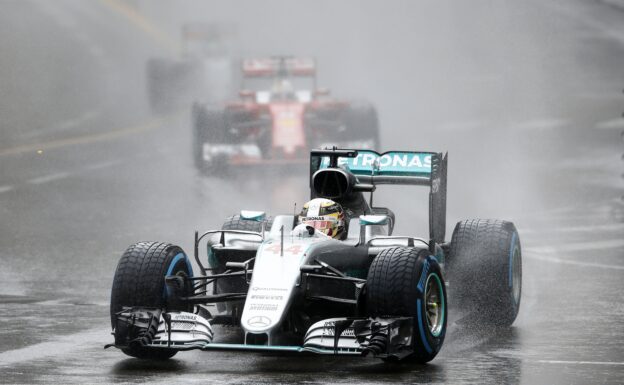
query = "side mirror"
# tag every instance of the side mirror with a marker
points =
(255, 216)
(245, 94)
(366, 220)
(322, 91)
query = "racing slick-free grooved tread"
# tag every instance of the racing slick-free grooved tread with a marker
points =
(478, 270)
(395, 288)
(140, 282)
(391, 280)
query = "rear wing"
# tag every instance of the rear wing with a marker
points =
(370, 168)
(279, 65)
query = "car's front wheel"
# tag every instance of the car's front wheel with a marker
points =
(407, 282)
(140, 282)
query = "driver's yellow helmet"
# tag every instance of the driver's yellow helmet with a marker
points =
(325, 216)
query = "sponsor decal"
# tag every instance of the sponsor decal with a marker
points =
(329, 330)
(268, 297)
(259, 321)
(182, 325)
(314, 219)
(263, 307)
(388, 163)
(435, 185)
(184, 317)
(314, 206)
(256, 288)
(291, 250)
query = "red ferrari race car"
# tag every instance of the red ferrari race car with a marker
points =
(279, 116)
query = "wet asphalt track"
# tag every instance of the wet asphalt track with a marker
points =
(527, 99)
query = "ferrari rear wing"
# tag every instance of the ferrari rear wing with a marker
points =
(370, 168)
(272, 66)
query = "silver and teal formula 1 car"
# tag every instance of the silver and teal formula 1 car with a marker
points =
(289, 288)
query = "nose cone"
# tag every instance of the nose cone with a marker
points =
(275, 275)
(264, 308)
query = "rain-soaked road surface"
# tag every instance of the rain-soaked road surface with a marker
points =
(526, 98)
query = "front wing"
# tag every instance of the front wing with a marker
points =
(381, 337)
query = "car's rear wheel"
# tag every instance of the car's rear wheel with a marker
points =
(484, 270)
(140, 282)
(407, 282)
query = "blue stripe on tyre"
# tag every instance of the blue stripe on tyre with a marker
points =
(511, 254)
(421, 281)
(174, 261)
(423, 337)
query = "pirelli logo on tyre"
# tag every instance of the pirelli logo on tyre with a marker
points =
(423, 276)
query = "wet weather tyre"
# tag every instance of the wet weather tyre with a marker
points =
(484, 270)
(140, 282)
(235, 222)
(408, 282)
(208, 128)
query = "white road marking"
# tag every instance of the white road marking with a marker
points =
(65, 125)
(580, 229)
(63, 175)
(78, 121)
(89, 138)
(101, 165)
(580, 246)
(67, 344)
(580, 362)
(461, 126)
(545, 258)
(600, 160)
(603, 96)
(49, 178)
(611, 124)
(540, 124)
(6, 188)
